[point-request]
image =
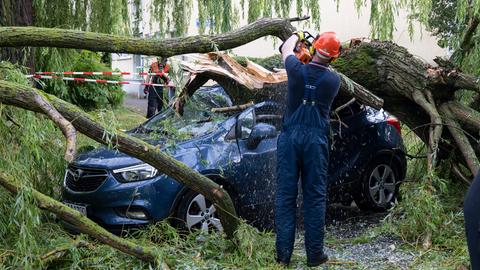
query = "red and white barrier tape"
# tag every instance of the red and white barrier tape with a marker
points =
(101, 73)
(94, 80)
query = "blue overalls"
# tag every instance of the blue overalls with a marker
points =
(471, 210)
(302, 150)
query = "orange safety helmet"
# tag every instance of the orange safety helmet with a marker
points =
(327, 44)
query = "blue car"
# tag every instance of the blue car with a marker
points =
(238, 151)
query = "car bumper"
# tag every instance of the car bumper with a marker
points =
(112, 204)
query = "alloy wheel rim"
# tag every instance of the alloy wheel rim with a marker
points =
(202, 215)
(382, 184)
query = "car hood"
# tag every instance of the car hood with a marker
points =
(111, 159)
(105, 158)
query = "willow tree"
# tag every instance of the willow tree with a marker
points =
(417, 93)
(16, 13)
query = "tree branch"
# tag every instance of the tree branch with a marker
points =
(466, 115)
(456, 170)
(464, 81)
(435, 129)
(461, 140)
(362, 94)
(60, 251)
(453, 79)
(298, 19)
(233, 108)
(67, 128)
(24, 97)
(63, 38)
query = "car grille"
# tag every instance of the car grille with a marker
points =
(84, 180)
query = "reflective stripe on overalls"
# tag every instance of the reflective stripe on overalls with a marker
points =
(302, 151)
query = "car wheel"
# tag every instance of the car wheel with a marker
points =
(379, 187)
(197, 213)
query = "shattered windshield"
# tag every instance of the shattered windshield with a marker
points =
(197, 119)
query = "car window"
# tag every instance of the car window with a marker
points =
(197, 119)
(270, 113)
(271, 119)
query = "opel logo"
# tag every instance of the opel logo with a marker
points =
(76, 174)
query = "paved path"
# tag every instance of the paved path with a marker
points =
(138, 105)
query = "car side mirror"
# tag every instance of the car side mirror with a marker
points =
(245, 123)
(260, 132)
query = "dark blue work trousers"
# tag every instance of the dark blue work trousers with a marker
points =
(155, 100)
(472, 222)
(302, 150)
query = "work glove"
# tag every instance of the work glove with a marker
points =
(145, 90)
(300, 34)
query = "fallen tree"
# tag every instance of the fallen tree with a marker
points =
(63, 38)
(419, 94)
(415, 92)
(253, 82)
(25, 97)
(71, 119)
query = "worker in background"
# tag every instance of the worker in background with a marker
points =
(155, 93)
(302, 146)
(471, 210)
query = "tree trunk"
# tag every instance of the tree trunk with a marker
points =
(63, 38)
(418, 94)
(17, 13)
(412, 90)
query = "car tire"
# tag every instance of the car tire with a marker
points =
(195, 212)
(379, 186)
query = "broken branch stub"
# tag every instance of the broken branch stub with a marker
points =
(235, 108)
(66, 127)
(254, 82)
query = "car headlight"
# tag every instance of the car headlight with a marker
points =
(135, 173)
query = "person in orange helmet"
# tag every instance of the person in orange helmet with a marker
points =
(303, 146)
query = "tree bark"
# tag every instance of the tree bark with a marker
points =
(63, 38)
(17, 13)
(24, 97)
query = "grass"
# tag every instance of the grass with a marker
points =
(128, 118)
(27, 233)
(431, 204)
(32, 150)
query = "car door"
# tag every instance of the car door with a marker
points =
(255, 173)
